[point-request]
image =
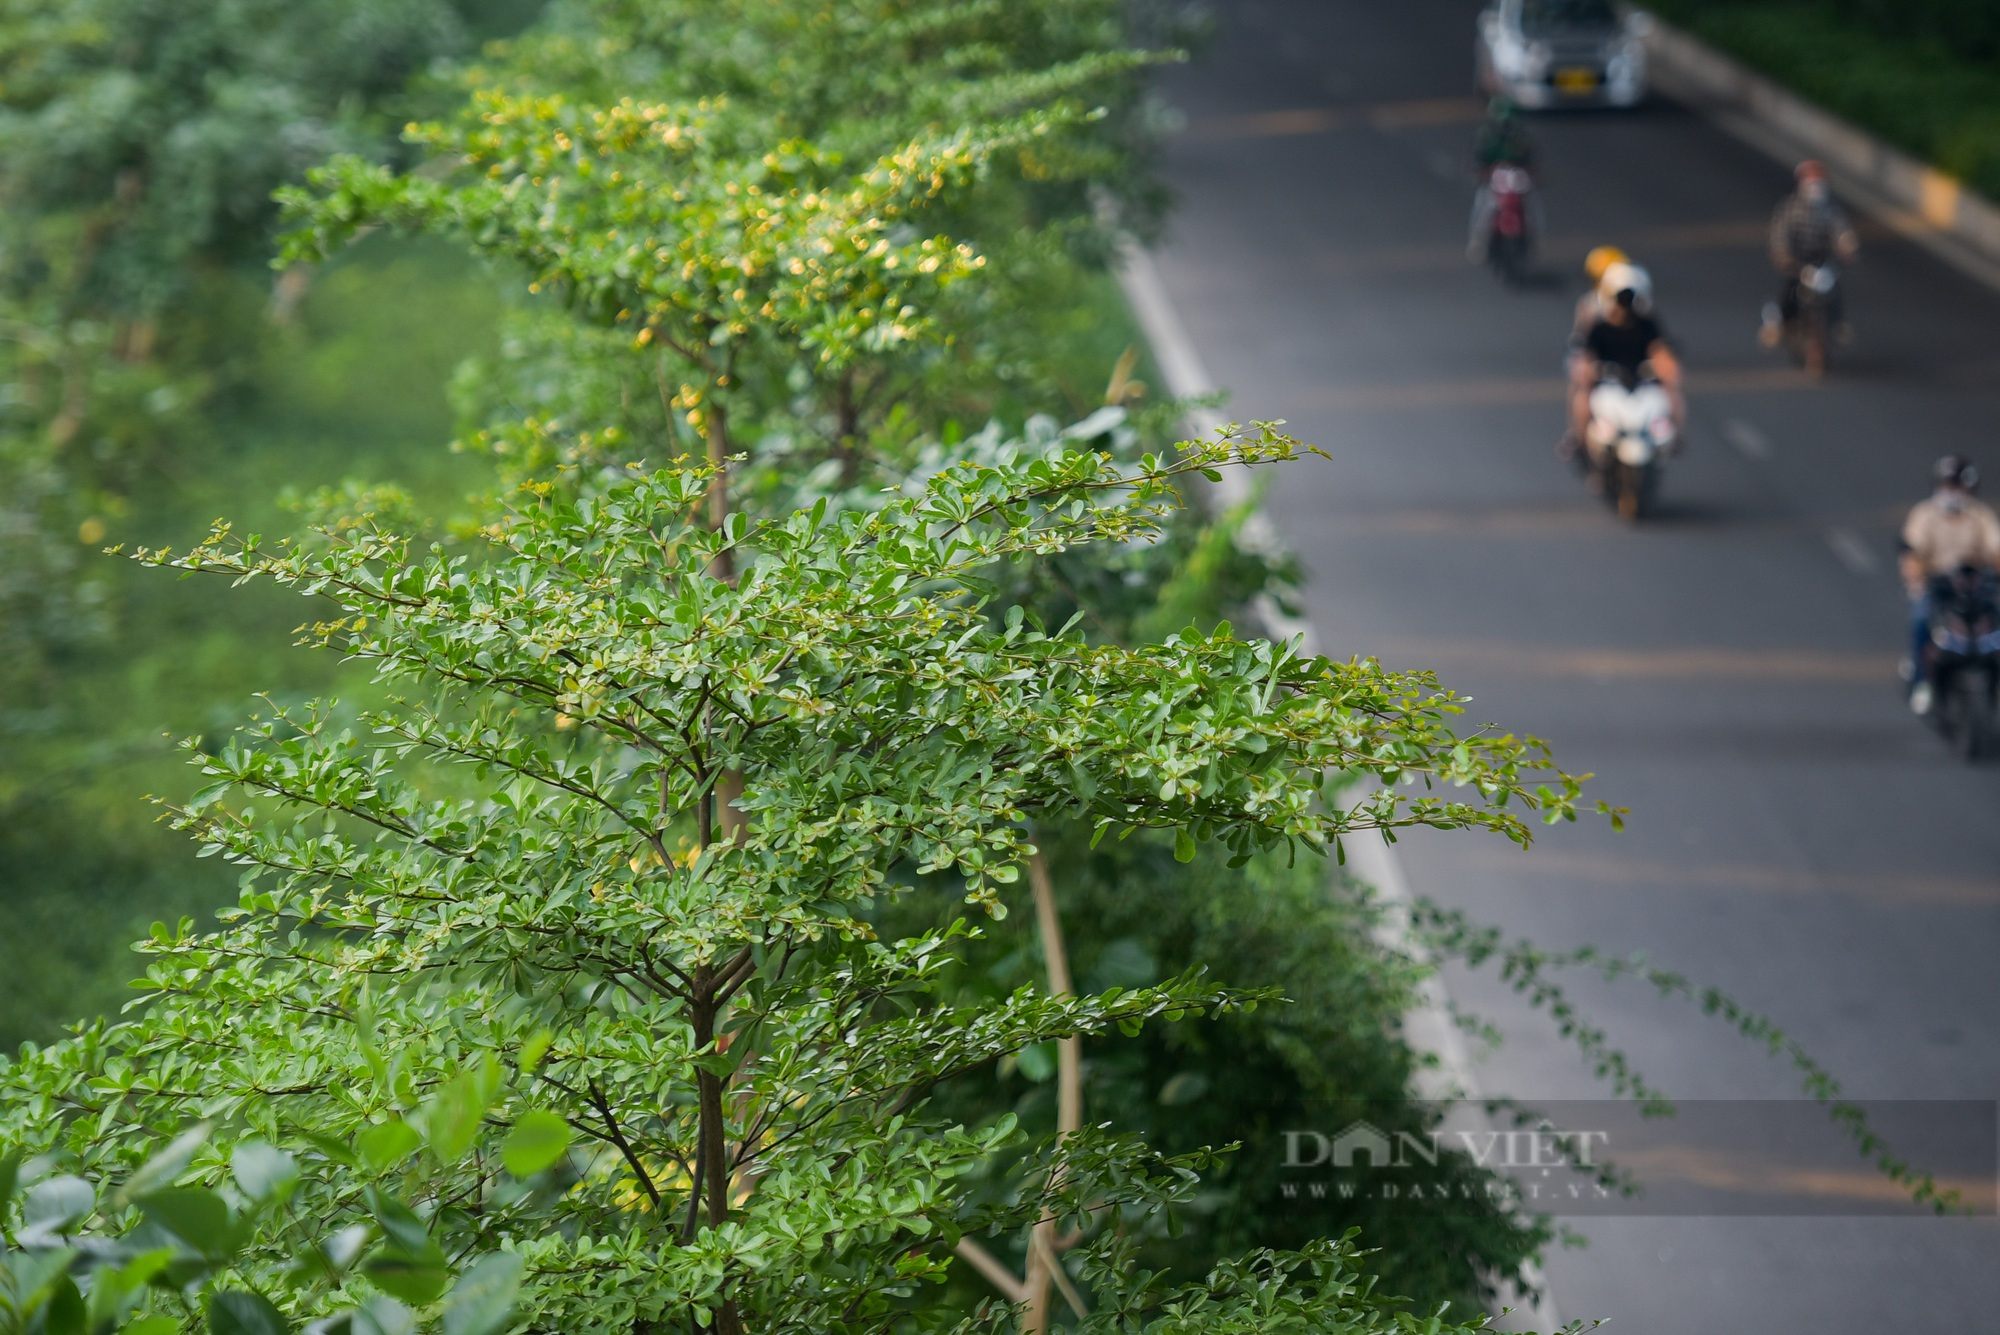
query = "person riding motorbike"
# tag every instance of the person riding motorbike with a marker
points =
(1502, 142)
(1590, 305)
(1808, 228)
(1625, 335)
(1948, 529)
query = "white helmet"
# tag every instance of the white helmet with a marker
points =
(1626, 278)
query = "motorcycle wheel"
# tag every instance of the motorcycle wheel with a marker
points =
(1506, 253)
(1809, 341)
(1634, 492)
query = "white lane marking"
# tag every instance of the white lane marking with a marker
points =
(1748, 440)
(1854, 553)
(1429, 1026)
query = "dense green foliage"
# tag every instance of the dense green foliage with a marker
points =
(1923, 74)
(828, 276)
(155, 376)
(745, 1058)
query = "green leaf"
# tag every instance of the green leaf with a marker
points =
(382, 1315)
(10, 1178)
(65, 1314)
(333, 1149)
(264, 1172)
(386, 1144)
(1038, 1062)
(54, 1207)
(114, 1290)
(152, 1325)
(533, 1049)
(482, 1302)
(196, 1216)
(409, 1265)
(165, 1168)
(240, 1312)
(453, 1115)
(339, 1251)
(537, 1141)
(1183, 845)
(27, 1277)
(401, 1227)
(415, 1281)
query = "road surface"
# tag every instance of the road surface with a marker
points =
(1726, 669)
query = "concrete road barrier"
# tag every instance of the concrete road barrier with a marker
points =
(1911, 196)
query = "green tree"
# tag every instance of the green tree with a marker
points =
(716, 284)
(521, 867)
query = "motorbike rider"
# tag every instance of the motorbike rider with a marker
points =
(1625, 335)
(1948, 529)
(1590, 305)
(1502, 142)
(1807, 228)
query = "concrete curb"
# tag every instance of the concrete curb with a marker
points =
(1911, 197)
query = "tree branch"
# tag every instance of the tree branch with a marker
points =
(624, 1148)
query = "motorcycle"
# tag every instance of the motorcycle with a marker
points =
(1631, 433)
(1816, 314)
(1508, 231)
(1962, 659)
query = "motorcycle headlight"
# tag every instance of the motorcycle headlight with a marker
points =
(1635, 451)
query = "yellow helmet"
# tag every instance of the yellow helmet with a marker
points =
(1597, 261)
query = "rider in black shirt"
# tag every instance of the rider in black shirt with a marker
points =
(1626, 336)
(1626, 344)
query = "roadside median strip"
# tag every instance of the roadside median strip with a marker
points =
(1911, 197)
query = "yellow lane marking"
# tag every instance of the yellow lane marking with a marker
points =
(1584, 517)
(1715, 664)
(1895, 888)
(1470, 392)
(1434, 111)
(1491, 391)
(1321, 120)
(1559, 250)
(1731, 1172)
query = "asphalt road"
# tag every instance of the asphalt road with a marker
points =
(1726, 669)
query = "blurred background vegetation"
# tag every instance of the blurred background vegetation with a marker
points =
(354, 385)
(155, 374)
(1923, 74)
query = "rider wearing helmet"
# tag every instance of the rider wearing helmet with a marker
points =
(1589, 306)
(1948, 529)
(1807, 228)
(1627, 336)
(1501, 143)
